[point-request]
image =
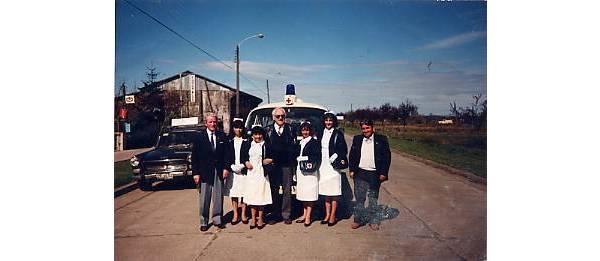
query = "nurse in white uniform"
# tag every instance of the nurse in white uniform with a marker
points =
(256, 156)
(333, 150)
(307, 182)
(235, 183)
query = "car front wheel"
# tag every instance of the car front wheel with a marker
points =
(145, 185)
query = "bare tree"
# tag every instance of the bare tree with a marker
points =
(151, 75)
(475, 115)
(405, 110)
(455, 111)
(384, 113)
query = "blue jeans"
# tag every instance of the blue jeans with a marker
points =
(366, 186)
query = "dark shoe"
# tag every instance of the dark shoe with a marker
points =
(300, 221)
(203, 228)
(261, 226)
(252, 226)
(374, 227)
(233, 223)
(355, 225)
(288, 221)
(221, 226)
(332, 224)
(245, 221)
(308, 225)
(323, 222)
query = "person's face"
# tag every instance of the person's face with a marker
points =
(279, 117)
(305, 132)
(257, 137)
(367, 130)
(237, 132)
(211, 123)
(328, 123)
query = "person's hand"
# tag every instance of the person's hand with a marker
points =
(351, 173)
(267, 161)
(382, 178)
(225, 173)
(196, 179)
(249, 165)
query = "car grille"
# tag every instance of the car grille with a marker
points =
(158, 167)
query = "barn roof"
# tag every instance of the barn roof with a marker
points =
(185, 73)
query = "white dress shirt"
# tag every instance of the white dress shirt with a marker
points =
(325, 145)
(278, 129)
(237, 145)
(214, 137)
(367, 154)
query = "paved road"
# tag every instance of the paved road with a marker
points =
(441, 217)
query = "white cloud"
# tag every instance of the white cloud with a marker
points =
(289, 71)
(339, 85)
(455, 40)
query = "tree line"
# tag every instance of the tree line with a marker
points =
(474, 114)
(385, 112)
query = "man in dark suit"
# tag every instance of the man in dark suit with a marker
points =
(369, 163)
(208, 157)
(282, 139)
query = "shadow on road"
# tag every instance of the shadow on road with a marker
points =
(173, 185)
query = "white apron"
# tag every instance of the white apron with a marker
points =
(235, 186)
(330, 180)
(258, 190)
(307, 184)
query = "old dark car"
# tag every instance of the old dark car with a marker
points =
(169, 160)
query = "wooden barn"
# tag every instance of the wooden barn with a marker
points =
(182, 95)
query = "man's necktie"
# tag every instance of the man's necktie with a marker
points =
(212, 141)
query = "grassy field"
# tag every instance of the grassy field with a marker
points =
(123, 173)
(461, 148)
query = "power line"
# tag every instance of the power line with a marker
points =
(180, 36)
(194, 45)
(253, 84)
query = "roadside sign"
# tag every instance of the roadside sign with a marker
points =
(184, 121)
(193, 89)
(129, 99)
(123, 113)
(127, 127)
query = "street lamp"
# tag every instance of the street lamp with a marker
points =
(237, 73)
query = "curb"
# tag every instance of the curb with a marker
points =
(468, 175)
(126, 188)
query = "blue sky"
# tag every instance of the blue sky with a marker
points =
(337, 53)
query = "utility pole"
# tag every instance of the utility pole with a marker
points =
(268, 98)
(350, 107)
(237, 73)
(237, 80)
(179, 92)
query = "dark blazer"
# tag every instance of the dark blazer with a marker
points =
(382, 154)
(245, 154)
(283, 147)
(340, 147)
(230, 153)
(205, 160)
(312, 149)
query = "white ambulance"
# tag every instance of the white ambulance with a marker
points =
(297, 111)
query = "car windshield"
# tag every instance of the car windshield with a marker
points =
(294, 116)
(177, 140)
